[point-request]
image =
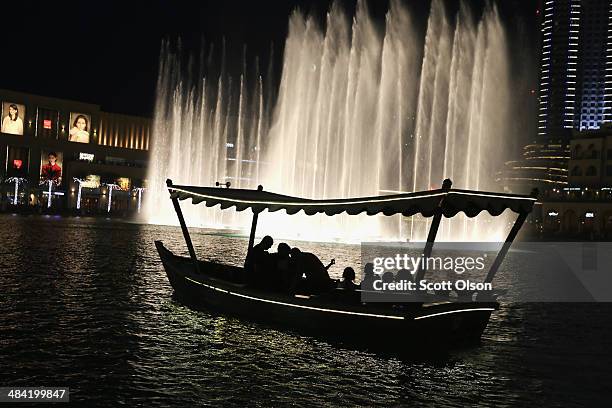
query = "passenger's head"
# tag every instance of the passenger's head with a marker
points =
(267, 242)
(295, 252)
(283, 249)
(403, 274)
(368, 271)
(387, 277)
(348, 274)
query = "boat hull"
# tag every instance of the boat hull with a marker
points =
(380, 326)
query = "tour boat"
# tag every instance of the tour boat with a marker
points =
(429, 322)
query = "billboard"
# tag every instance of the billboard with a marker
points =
(91, 181)
(79, 127)
(123, 183)
(51, 166)
(13, 116)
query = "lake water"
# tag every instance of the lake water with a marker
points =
(85, 303)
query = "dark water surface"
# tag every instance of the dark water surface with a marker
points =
(85, 303)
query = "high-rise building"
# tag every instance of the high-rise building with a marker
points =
(575, 91)
(576, 68)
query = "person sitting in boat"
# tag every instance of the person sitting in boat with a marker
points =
(403, 275)
(317, 276)
(283, 277)
(348, 279)
(258, 261)
(367, 282)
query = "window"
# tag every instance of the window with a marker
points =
(47, 123)
(609, 171)
(576, 171)
(591, 171)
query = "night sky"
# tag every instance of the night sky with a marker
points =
(107, 52)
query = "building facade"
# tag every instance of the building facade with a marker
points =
(58, 155)
(575, 90)
(576, 68)
(583, 208)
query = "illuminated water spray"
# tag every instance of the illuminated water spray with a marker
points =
(360, 111)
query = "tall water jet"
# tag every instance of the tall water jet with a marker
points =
(362, 109)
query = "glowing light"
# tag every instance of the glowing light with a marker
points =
(17, 181)
(80, 183)
(139, 191)
(111, 187)
(479, 309)
(320, 309)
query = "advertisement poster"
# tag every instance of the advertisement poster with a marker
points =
(13, 115)
(51, 166)
(79, 127)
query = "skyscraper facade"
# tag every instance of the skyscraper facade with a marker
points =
(576, 68)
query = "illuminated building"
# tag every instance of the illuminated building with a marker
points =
(576, 68)
(584, 206)
(94, 149)
(575, 90)
(543, 165)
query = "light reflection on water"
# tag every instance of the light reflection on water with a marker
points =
(85, 303)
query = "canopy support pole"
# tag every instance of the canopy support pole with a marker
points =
(179, 214)
(520, 220)
(433, 231)
(253, 227)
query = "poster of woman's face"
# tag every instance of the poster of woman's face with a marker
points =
(13, 115)
(51, 166)
(80, 124)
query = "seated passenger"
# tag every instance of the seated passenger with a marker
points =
(367, 283)
(403, 275)
(348, 279)
(283, 277)
(257, 261)
(388, 277)
(308, 264)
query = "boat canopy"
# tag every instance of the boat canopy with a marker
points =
(426, 203)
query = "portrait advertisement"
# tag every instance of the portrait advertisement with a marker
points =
(13, 117)
(80, 125)
(51, 166)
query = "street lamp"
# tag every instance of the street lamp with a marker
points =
(79, 182)
(17, 181)
(50, 183)
(139, 190)
(111, 187)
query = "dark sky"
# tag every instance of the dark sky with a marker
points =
(106, 52)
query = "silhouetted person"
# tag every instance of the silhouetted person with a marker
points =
(308, 264)
(388, 277)
(348, 279)
(258, 260)
(403, 275)
(282, 277)
(367, 283)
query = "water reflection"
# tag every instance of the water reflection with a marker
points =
(85, 303)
